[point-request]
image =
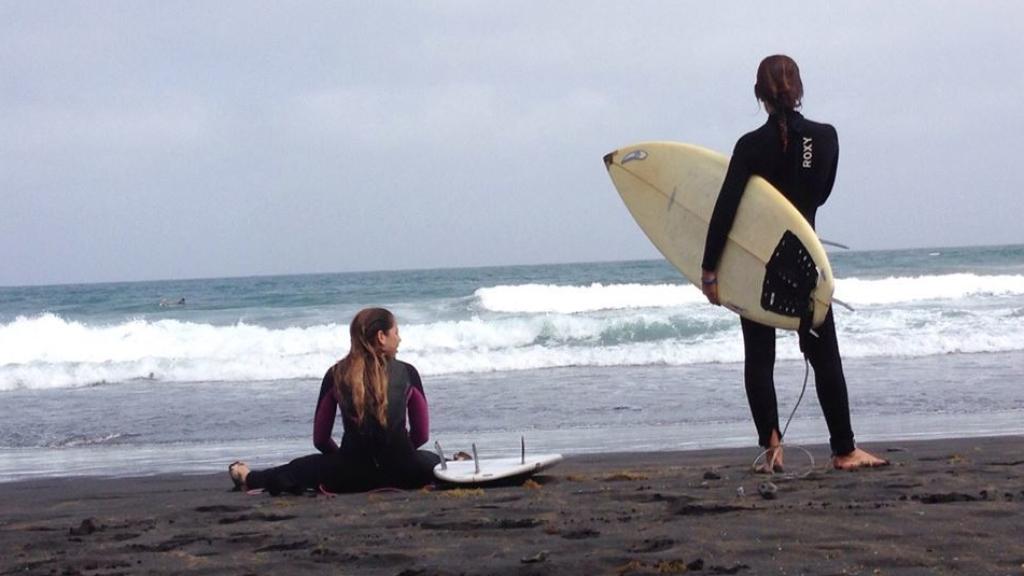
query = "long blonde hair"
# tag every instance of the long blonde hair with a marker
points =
(361, 377)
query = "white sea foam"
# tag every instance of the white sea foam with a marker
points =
(896, 290)
(553, 326)
(533, 298)
(82, 440)
(540, 298)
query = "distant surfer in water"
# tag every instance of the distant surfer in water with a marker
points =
(799, 157)
(378, 397)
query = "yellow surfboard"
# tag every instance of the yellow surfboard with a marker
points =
(774, 268)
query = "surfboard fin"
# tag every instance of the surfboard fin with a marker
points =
(831, 243)
(437, 446)
(843, 304)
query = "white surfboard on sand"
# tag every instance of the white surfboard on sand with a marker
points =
(494, 470)
(773, 269)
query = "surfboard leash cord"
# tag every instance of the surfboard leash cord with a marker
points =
(782, 435)
(803, 390)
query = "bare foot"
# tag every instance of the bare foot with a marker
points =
(772, 457)
(772, 461)
(857, 459)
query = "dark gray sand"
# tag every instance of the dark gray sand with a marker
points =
(943, 507)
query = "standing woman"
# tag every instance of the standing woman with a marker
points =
(799, 157)
(378, 396)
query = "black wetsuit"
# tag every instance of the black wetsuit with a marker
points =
(370, 456)
(804, 172)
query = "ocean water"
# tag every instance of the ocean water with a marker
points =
(124, 379)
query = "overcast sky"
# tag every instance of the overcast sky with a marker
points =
(152, 140)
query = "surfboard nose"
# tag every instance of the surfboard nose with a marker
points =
(608, 159)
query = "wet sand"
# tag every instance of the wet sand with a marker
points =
(942, 507)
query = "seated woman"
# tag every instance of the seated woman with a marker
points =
(377, 396)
